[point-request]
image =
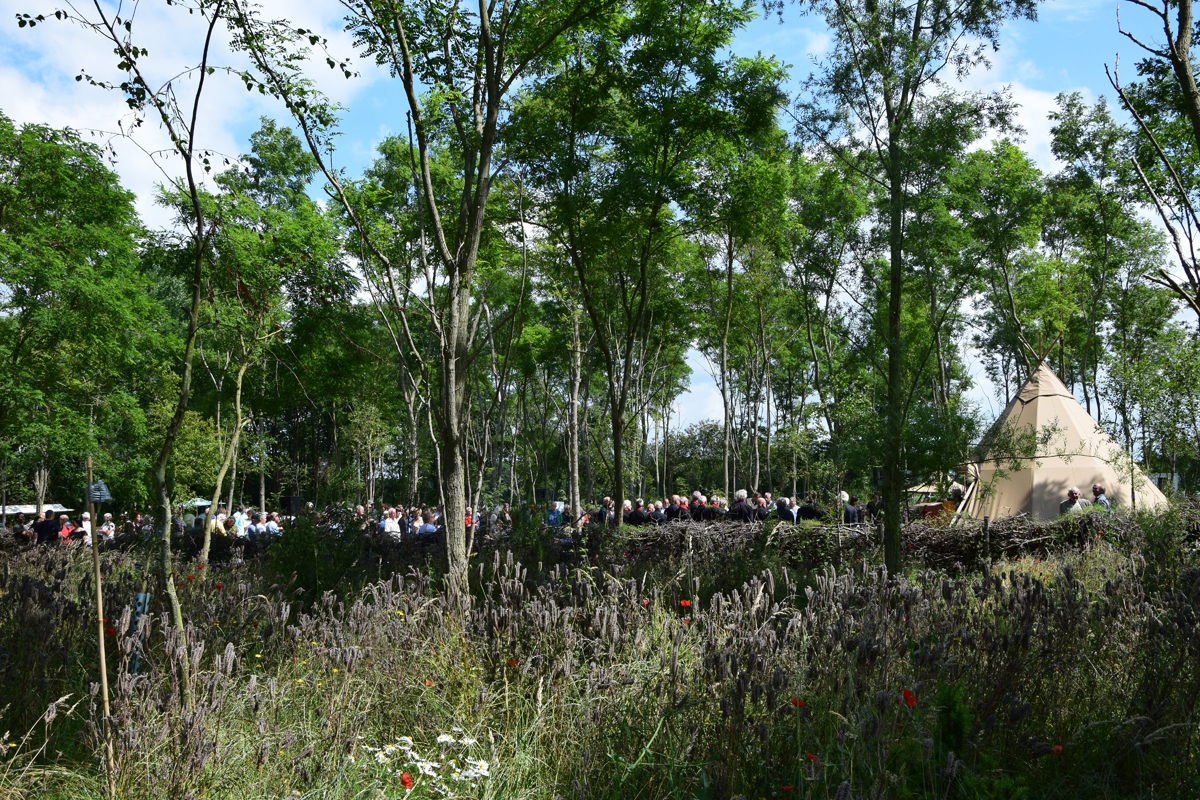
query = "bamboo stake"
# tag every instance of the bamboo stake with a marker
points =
(108, 748)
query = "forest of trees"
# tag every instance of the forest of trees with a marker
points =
(503, 306)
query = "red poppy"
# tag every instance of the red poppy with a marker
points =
(110, 632)
(909, 698)
(220, 585)
(685, 622)
(428, 682)
(512, 662)
(797, 703)
(787, 788)
(812, 758)
(1057, 749)
(199, 566)
(191, 577)
(685, 603)
(406, 780)
(645, 602)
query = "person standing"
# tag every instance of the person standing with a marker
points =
(1073, 502)
(21, 530)
(811, 510)
(740, 511)
(875, 508)
(48, 530)
(784, 510)
(850, 512)
(1099, 499)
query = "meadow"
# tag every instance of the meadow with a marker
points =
(695, 662)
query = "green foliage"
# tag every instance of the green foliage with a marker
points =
(318, 558)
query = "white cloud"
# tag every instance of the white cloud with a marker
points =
(702, 400)
(38, 67)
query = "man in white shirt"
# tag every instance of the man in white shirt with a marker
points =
(391, 523)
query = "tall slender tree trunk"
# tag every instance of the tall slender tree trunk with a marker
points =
(168, 445)
(893, 465)
(230, 456)
(725, 355)
(573, 416)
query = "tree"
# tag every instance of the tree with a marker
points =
(1166, 108)
(612, 139)
(78, 317)
(885, 58)
(467, 62)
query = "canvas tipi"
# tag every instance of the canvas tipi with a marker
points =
(1079, 454)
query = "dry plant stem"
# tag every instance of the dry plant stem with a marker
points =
(101, 655)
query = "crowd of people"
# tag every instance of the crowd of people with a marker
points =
(52, 527)
(402, 522)
(747, 506)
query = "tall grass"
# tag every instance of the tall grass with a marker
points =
(620, 675)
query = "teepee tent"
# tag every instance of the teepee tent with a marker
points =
(1079, 454)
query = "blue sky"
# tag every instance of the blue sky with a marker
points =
(1064, 51)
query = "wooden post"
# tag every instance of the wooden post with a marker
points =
(987, 540)
(95, 533)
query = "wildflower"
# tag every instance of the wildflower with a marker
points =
(220, 586)
(787, 788)
(797, 703)
(645, 602)
(685, 622)
(1057, 749)
(258, 655)
(110, 632)
(909, 698)
(406, 780)
(468, 742)
(812, 758)
(685, 603)
(428, 682)
(335, 669)
(445, 738)
(199, 566)
(191, 577)
(512, 662)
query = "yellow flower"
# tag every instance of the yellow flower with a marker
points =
(258, 655)
(335, 669)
